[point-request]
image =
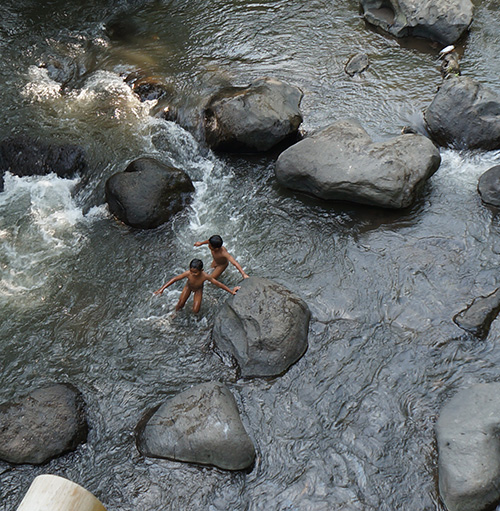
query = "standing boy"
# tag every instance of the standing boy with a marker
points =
(196, 277)
(221, 257)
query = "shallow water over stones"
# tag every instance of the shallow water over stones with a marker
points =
(351, 425)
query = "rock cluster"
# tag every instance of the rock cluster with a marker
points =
(264, 327)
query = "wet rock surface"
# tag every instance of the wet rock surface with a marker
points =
(489, 186)
(469, 449)
(264, 327)
(47, 423)
(445, 21)
(479, 315)
(148, 193)
(357, 64)
(28, 156)
(343, 163)
(200, 425)
(253, 118)
(464, 114)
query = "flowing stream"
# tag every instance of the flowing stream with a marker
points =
(350, 426)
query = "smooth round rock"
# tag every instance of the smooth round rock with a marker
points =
(489, 186)
(200, 425)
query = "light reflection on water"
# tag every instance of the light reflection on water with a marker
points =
(350, 426)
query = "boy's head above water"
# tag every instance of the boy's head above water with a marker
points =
(215, 241)
(196, 264)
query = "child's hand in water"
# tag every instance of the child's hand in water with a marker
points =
(237, 288)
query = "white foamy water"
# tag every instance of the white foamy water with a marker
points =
(40, 86)
(106, 92)
(48, 224)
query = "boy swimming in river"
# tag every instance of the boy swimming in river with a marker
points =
(196, 277)
(221, 257)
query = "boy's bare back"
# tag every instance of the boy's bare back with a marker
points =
(220, 256)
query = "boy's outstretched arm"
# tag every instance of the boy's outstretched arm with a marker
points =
(200, 243)
(233, 261)
(222, 286)
(171, 281)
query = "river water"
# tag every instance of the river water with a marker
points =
(351, 425)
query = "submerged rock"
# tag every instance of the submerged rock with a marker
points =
(469, 449)
(264, 327)
(357, 64)
(489, 186)
(47, 423)
(464, 114)
(444, 21)
(479, 315)
(201, 425)
(342, 163)
(148, 193)
(123, 27)
(63, 70)
(148, 87)
(151, 88)
(253, 118)
(27, 156)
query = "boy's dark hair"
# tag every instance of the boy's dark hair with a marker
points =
(197, 264)
(215, 241)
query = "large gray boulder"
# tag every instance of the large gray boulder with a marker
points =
(469, 449)
(342, 163)
(148, 193)
(264, 327)
(253, 118)
(444, 21)
(478, 316)
(47, 423)
(200, 425)
(464, 114)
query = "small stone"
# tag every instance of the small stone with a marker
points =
(357, 64)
